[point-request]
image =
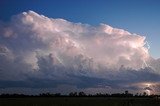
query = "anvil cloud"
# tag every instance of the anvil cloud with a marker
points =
(41, 52)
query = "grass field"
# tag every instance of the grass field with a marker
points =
(79, 101)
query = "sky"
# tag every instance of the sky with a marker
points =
(50, 46)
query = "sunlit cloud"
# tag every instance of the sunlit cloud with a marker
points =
(36, 47)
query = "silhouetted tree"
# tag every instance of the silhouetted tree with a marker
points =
(81, 94)
(126, 92)
(57, 94)
(144, 94)
(73, 94)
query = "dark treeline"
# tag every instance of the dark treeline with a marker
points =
(82, 94)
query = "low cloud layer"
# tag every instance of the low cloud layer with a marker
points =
(41, 52)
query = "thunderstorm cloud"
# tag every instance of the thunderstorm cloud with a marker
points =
(40, 52)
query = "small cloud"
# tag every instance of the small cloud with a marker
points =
(148, 88)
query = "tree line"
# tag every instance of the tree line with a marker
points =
(83, 94)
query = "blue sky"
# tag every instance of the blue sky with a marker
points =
(136, 16)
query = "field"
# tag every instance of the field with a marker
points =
(78, 101)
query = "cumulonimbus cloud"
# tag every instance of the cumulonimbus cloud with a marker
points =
(33, 46)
